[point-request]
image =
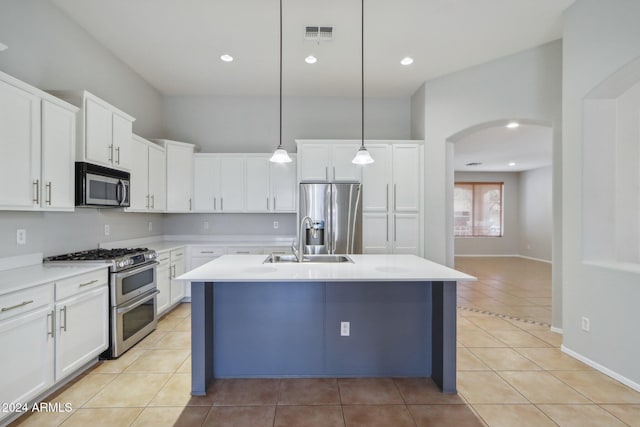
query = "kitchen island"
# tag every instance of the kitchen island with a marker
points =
(256, 320)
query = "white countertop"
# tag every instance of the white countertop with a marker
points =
(380, 268)
(25, 277)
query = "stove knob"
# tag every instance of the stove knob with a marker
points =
(120, 264)
(129, 261)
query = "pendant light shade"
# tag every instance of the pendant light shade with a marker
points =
(362, 156)
(280, 155)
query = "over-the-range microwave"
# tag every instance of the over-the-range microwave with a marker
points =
(98, 186)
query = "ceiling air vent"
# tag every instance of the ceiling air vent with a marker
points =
(317, 33)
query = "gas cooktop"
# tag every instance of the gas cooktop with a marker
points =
(119, 258)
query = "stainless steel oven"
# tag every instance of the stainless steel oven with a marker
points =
(132, 321)
(132, 289)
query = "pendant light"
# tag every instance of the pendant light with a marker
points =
(362, 157)
(280, 155)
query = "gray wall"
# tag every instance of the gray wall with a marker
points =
(510, 242)
(527, 85)
(250, 124)
(49, 51)
(599, 38)
(536, 215)
(252, 224)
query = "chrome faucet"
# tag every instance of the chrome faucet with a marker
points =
(300, 252)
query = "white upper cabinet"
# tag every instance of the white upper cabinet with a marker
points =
(37, 148)
(148, 176)
(58, 151)
(243, 183)
(206, 185)
(258, 185)
(232, 183)
(19, 148)
(157, 178)
(105, 132)
(179, 167)
(406, 177)
(327, 160)
(376, 179)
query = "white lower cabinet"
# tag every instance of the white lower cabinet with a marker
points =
(391, 233)
(406, 239)
(178, 267)
(44, 340)
(27, 356)
(376, 238)
(163, 283)
(82, 329)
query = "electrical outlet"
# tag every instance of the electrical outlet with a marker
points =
(586, 324)
(150, 226)
(345, 329)
(21, 236)
(205, 225)
(107, 230)
(276, 224)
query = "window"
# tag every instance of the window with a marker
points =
(477, 208)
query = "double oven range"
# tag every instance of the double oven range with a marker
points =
(132, 286)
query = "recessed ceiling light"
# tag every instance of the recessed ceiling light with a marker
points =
(407, 60)
(513, 125)
(310, 59)
(3, 47)
(512, 163)
(226, 58)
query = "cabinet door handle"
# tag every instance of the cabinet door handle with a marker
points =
(243, 252)
(148, 201)
(49, 193)
(36, 191)
(170, 269)
(53, 323)
(326, 173)
(395, 228)
(189, 204)
(395, 193)
(387, 203)
(63, 326)
(118, 153)
(174, 271)
(387, 227)
(215, 203)
(221, 203)
(22, 304)
(334, 173)
(206, 252)
(274, 203)
(164, 259)
(153, 201)
(111, 153)
(88, 283)
(267, 202)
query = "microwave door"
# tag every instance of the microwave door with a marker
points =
(102, 190)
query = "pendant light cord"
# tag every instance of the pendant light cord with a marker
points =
(362, 69)
(280, 140)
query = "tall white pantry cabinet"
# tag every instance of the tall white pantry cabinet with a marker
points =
(392, 187)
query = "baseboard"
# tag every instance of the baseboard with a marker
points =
(595, 365)
(501, 256)
(557, 330)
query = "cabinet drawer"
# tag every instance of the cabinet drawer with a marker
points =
(25, 300)
(239, 250)
(207, 251)
(84, 282)
(164, 258)
(177, 254)
(267, 250)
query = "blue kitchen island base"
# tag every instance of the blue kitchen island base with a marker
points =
(292, 329)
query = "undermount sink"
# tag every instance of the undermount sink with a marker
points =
(274, 258)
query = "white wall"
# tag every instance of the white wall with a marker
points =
(536, 214)
(527, 85)
(599, 38)
(510, 242)
(250, 124)
(49, 51)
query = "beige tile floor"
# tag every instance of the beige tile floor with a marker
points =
(510, 373)
(512, 286)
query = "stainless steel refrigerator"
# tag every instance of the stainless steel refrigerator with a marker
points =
(336, 212)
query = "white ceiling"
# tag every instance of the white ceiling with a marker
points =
(175, 44)
(528, 146)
